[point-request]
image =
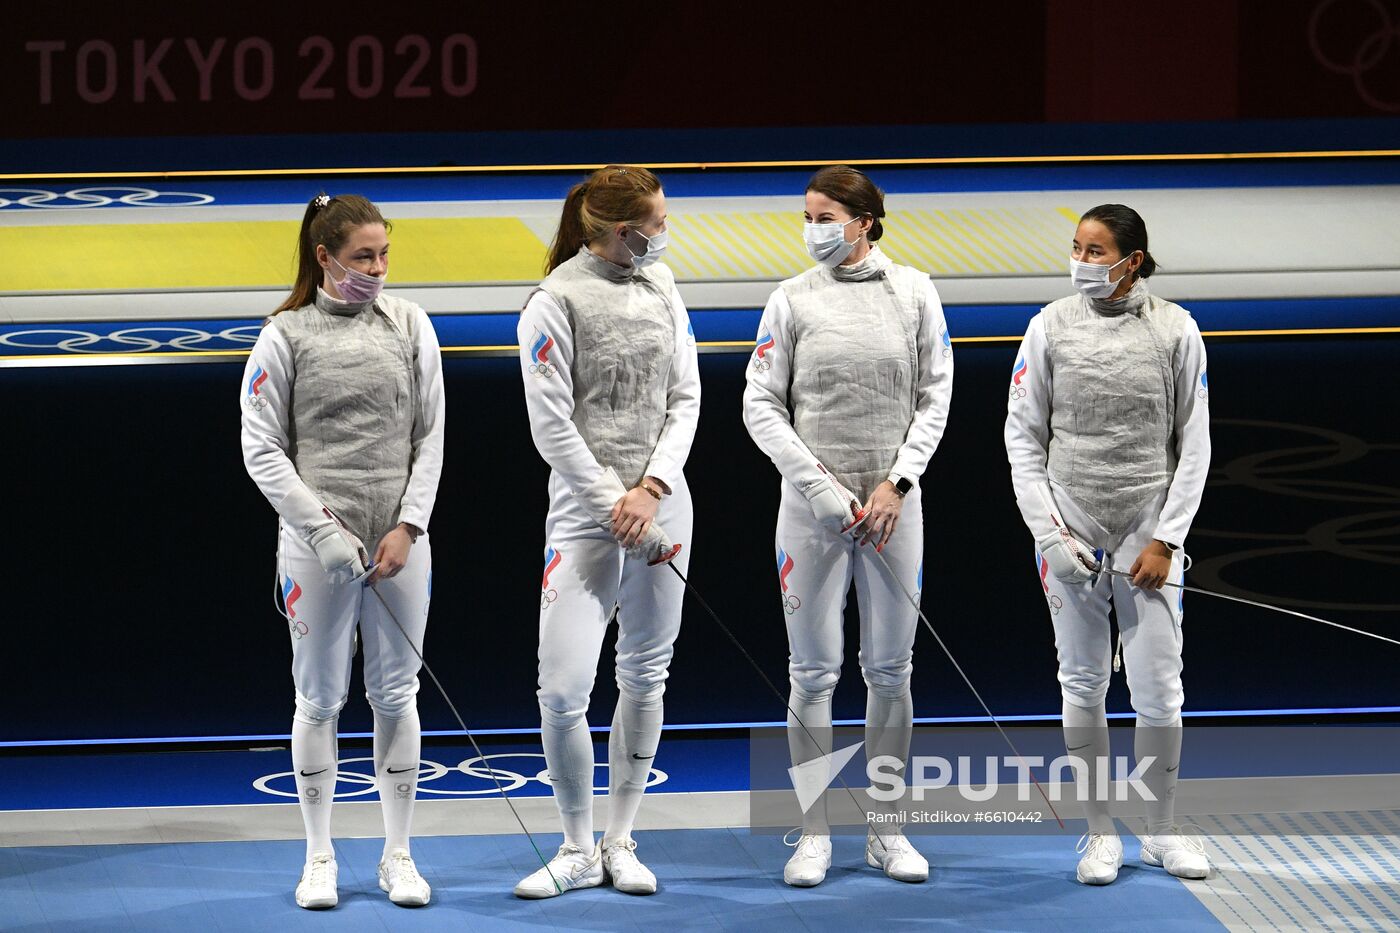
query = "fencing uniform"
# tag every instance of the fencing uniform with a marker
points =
(345, 402)
(611, 383)
(1108, 404)
(853, 369)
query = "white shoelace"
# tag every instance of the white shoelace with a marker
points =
(1096, 847)
(625, 851)
(405, 872)
(318, 873)
(1192, 837)
(807, 845)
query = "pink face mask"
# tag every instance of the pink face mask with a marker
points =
(356, 287)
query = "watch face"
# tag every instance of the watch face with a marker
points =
(904, 485)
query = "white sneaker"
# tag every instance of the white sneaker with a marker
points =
(1102, 857)
(896, 856)
(1181, 854)
(316, 890)
(808, 865)
(571, 868)
(399, 877)
(627, 873)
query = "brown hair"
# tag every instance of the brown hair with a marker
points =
(327, 222)
(1128, 230)
(852, 189)
(614, 194)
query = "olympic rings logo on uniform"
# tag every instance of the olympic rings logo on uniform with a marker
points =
(1369, 53)
(762, 347)
(1055, 603)
(255, 402)
(297, 627)
(128, 338)
(479, 770)
(947, 342)
(1018, 372)
(539, 355)
(552, 558)
(99, 196)
(791, 603)
(1203, 393)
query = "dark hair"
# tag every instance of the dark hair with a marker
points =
(1129, 232)
(327, 222)
(855, 191)
(614, 194)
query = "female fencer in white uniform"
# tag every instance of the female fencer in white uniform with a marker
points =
(613, 392)
(343, 414)
(1107, 431)
(848, 393)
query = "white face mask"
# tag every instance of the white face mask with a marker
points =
(656, 245)
(827, 242)
(1091, 278)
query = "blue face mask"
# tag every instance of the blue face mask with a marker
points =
(1091, 278)
(827, 243)
(656, 245)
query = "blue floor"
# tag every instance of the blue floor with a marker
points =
(710, 879)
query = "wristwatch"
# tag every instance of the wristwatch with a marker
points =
(902, 485)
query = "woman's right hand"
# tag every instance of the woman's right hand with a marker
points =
(632, 515)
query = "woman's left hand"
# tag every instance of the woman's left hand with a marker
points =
(391, 555)
(1152, 567)
(882, 514)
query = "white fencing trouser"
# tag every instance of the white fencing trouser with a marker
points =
(586, 575)
(816, 567)
(323, 618)
(1150, 624)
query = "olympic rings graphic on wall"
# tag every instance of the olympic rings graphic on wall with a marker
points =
(99, 196)
(1369, 53)
(139, 339)
(479, 768)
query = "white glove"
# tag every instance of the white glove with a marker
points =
(654, 547)
(834, 505)
(1069, 559)
(598, 499)
(341, 553)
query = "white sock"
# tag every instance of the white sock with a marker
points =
(889, 726)
(1162, 742)
(1086, 737)
(314, 761)
(568, 751)
(397, 744)
(636, 732)
(814, 710)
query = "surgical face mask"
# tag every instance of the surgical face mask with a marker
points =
(827, 242)
(356, 287)
(656, 245)
(1091, 278)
